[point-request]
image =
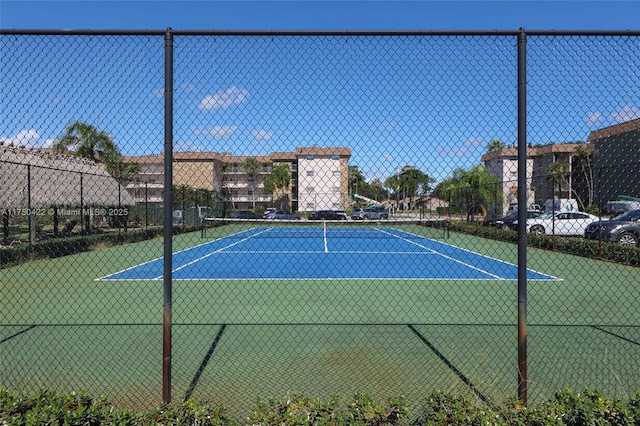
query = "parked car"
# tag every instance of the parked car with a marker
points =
(269, 210)
(617, 207)
(243, 214)
(510, 220)
(560, 223)
(282, 215)
(370, 213)
(328, 215)
(623, 229)
(341, 213)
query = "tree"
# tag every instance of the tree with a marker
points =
(408, 183)
(376, 190)
(227, 195)
(251, 168)
(85, 141)
(470, 189)
(584, 153)
(558, 173)
(356, 180)
(495, 145)
(277, 184)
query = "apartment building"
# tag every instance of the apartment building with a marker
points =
(616, 163)
(322, 178)
(504, 165)
(541, 185)
(319, 177)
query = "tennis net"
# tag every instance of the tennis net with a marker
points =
(299, 229)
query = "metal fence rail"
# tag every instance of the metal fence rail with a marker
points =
(433, 128)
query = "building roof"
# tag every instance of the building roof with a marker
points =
(38, 178)
(616, 129)
(325, 151)
(227, 158)
(505, 152)
(532, 152)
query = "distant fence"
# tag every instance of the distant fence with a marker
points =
(480, 121)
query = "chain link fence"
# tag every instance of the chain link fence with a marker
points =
(346, 214)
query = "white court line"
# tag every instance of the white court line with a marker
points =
(216, 251)
(421, 253)
(324, 231)
(481, 255)
(429, 252)
(443, 255)
(174, 253)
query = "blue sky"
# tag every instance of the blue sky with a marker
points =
(302, 14)
(430, 103)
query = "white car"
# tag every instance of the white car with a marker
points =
(561, 223)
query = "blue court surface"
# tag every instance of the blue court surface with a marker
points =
(325, 253)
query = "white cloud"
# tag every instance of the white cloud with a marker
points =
(387, 157)
(187, 87)
(261, 134)
(223, 100)
(217, 132)
(456, 152)
(28, 138)
(186, 147)
(594, 118)
(475, 142)
(626, 113)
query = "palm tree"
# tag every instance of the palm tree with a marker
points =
(558, 172)
(85, 141)
(277, 184)
(471, 188)
(251, 168)
(495, 145)
(410, 181)
(584, 153)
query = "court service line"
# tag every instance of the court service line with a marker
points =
(106, 277)
(324, 231)
(481, 255)
(443, 255)
(215, 252)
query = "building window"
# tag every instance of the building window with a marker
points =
(309, 157)
(311, 206)
(335, 157)
(335, 189)
(311, 173)
(336, 172)
(311, 189)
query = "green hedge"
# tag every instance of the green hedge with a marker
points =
(565, 408)
(577, 246)
(64, 246)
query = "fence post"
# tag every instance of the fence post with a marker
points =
(522, 216)
(168, 219)
(146, 206)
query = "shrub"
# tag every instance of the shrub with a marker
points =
(612, 252)
(302, 410)
(567, 407)
(64, 246)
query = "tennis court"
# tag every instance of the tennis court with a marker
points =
(326, 250)
(385, 309)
